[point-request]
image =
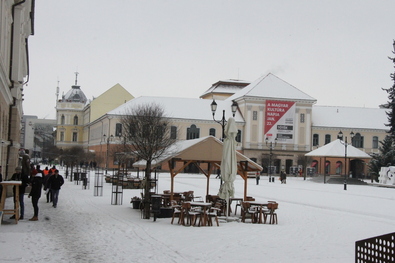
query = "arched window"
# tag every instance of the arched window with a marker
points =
(62, 120)
(75, 122)
(316, 138)
(212, 132)
(375, 143)
(357, 141)
(327, 138)
(193, 132)
(339, 167)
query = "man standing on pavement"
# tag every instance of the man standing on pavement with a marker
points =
(54, 183)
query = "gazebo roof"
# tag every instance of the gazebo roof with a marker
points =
(336, 149)
(205, 149)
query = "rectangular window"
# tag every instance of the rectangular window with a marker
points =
(315, 139)
(212, 132)
(302, 118)
(62, 136)
(173, 132)
(238, 137)
(118, 129)
(74, 136)
(327, 138)
(375, 144)
(254, 115)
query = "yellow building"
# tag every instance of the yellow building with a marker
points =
(75, 114)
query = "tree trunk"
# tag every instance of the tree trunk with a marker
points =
(147, 191)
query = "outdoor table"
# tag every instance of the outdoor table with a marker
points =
(236, 199)
(261, 205)
(14, 211)
(205, 207)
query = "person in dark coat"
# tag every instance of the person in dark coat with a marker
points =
(45, 185)
(35, 192)
(283, 177)
(54, 183)
(18, 176)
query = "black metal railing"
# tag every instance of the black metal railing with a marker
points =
(376, 249)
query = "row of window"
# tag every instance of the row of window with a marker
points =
(74, 137)
(193, 132)
(63, 122)
(357, 140)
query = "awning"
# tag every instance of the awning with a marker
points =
(313, 164)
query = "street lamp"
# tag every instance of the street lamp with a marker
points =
(271, 147)
(107, 140)
(223, 121)
(340, 136)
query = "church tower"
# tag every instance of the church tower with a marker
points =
(69, 117)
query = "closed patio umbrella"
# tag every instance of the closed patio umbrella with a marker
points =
(228, 162)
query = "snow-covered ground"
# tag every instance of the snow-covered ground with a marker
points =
(317, 223)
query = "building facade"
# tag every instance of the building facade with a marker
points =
(16, 26)
(277, 123)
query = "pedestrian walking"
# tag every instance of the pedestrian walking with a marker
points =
(18, 176)
(283, 177)
(55, 182)
(257, 177)
(35, 192)
(48, 192)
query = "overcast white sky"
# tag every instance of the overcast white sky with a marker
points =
(335, 51)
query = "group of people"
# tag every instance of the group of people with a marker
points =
(48, 179)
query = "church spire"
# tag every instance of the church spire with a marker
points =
(76, 77)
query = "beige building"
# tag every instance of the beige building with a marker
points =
(268, 108)
(16, 25)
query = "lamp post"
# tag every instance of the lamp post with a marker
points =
(107, 140)
(271, 147)
(223, 121)
(340, 136)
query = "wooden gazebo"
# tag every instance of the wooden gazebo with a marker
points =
(203, 152)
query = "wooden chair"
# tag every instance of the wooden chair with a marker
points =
(213, 213)
(271, 212)
(247, 210)
(191, 215)
(176, 211)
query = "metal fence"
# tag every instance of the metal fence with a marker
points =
(376, 249)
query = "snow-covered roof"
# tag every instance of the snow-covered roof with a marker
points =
(229, 86)
(350, 117)
(337, 149)
(182, 108)
(270, 86)
(207, 149)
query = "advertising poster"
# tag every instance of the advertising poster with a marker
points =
(279, 121)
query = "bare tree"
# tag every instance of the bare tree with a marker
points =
(146, 132)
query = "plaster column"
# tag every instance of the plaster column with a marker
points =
(308, 129)
(248, 127)
(296, 129)
(260, 126)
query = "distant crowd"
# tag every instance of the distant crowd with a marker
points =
(31, 176)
